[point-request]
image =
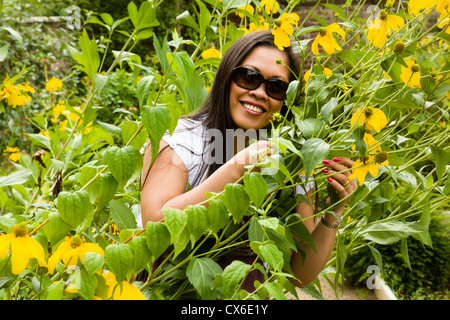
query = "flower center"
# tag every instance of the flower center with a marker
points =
(323, 31)
(399, 47)
(75, 241)
(383, 15)
(381, 157)
(368, 112)
(21, 230)
(278, 22)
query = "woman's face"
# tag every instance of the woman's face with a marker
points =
(253, 109)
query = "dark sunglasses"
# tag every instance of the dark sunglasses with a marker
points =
(251, 79)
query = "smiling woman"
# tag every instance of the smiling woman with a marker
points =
(249, 89)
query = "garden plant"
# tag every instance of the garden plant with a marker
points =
(374, 89)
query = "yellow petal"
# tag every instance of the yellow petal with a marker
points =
(315, 45)
(334, 27)
(373, 170)
(89, 247)
(394, 22)
(36, 251)
(358, 118)
(56, 256)
(19, 255)
(5, 243)
(281, 38)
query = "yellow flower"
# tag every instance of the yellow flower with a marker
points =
(416, 7)
(263, 25)
(326, 40)
(373, 145)
(382, 26)
(16, 95)
(283, 28)
(72, 249)
(373, 118)
(211, 53)
(14, 153)
(411, 74)
(121, 291)
(247, 8)
(54, 84)
(271, 6)
(23, 248)
(370, 165)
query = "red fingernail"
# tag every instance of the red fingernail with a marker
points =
(326, 161)
(330, 179)
(336, 159)
(325, 170)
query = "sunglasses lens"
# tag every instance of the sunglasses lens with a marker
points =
(248, 79)
(277, 89)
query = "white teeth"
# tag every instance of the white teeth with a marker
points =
(253, 108)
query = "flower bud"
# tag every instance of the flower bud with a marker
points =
(383, 15)
(323, 31)
(278, 22)
(415, 67)
(399, 47)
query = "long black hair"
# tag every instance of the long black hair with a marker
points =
(215, 111)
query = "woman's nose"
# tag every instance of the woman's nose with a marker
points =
(260, 92)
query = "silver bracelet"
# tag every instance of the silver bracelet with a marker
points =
(330, 225)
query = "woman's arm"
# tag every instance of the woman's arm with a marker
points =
(306, 270)
(166, 182)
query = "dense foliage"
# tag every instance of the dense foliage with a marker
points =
(376, 91)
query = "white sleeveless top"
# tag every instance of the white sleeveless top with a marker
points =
(188, 141)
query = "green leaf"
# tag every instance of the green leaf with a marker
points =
(141, 253)
(143, 87)
(327, 109)
(4, 52)
(122, 215)
(128, 130)
(441, 158)
(272, 256)
(314, 152)
(236, 200)
(176, 221)
(182, 65)
(122, 163)
(256, 187)
(93, 261)
(55, 229)
(108, 188)
(119, 258)
(196, 221)
(145, 17)
(387, 232)
(85, 284)
(232, 275)
(186, 19)
(158, 238)
(74, 207)
(275, 291)
(201, 273)
(18, 177)
(157, 121)
(217, 215)
(55, 291)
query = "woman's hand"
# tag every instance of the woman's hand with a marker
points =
(251, 155)
(338, 172)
